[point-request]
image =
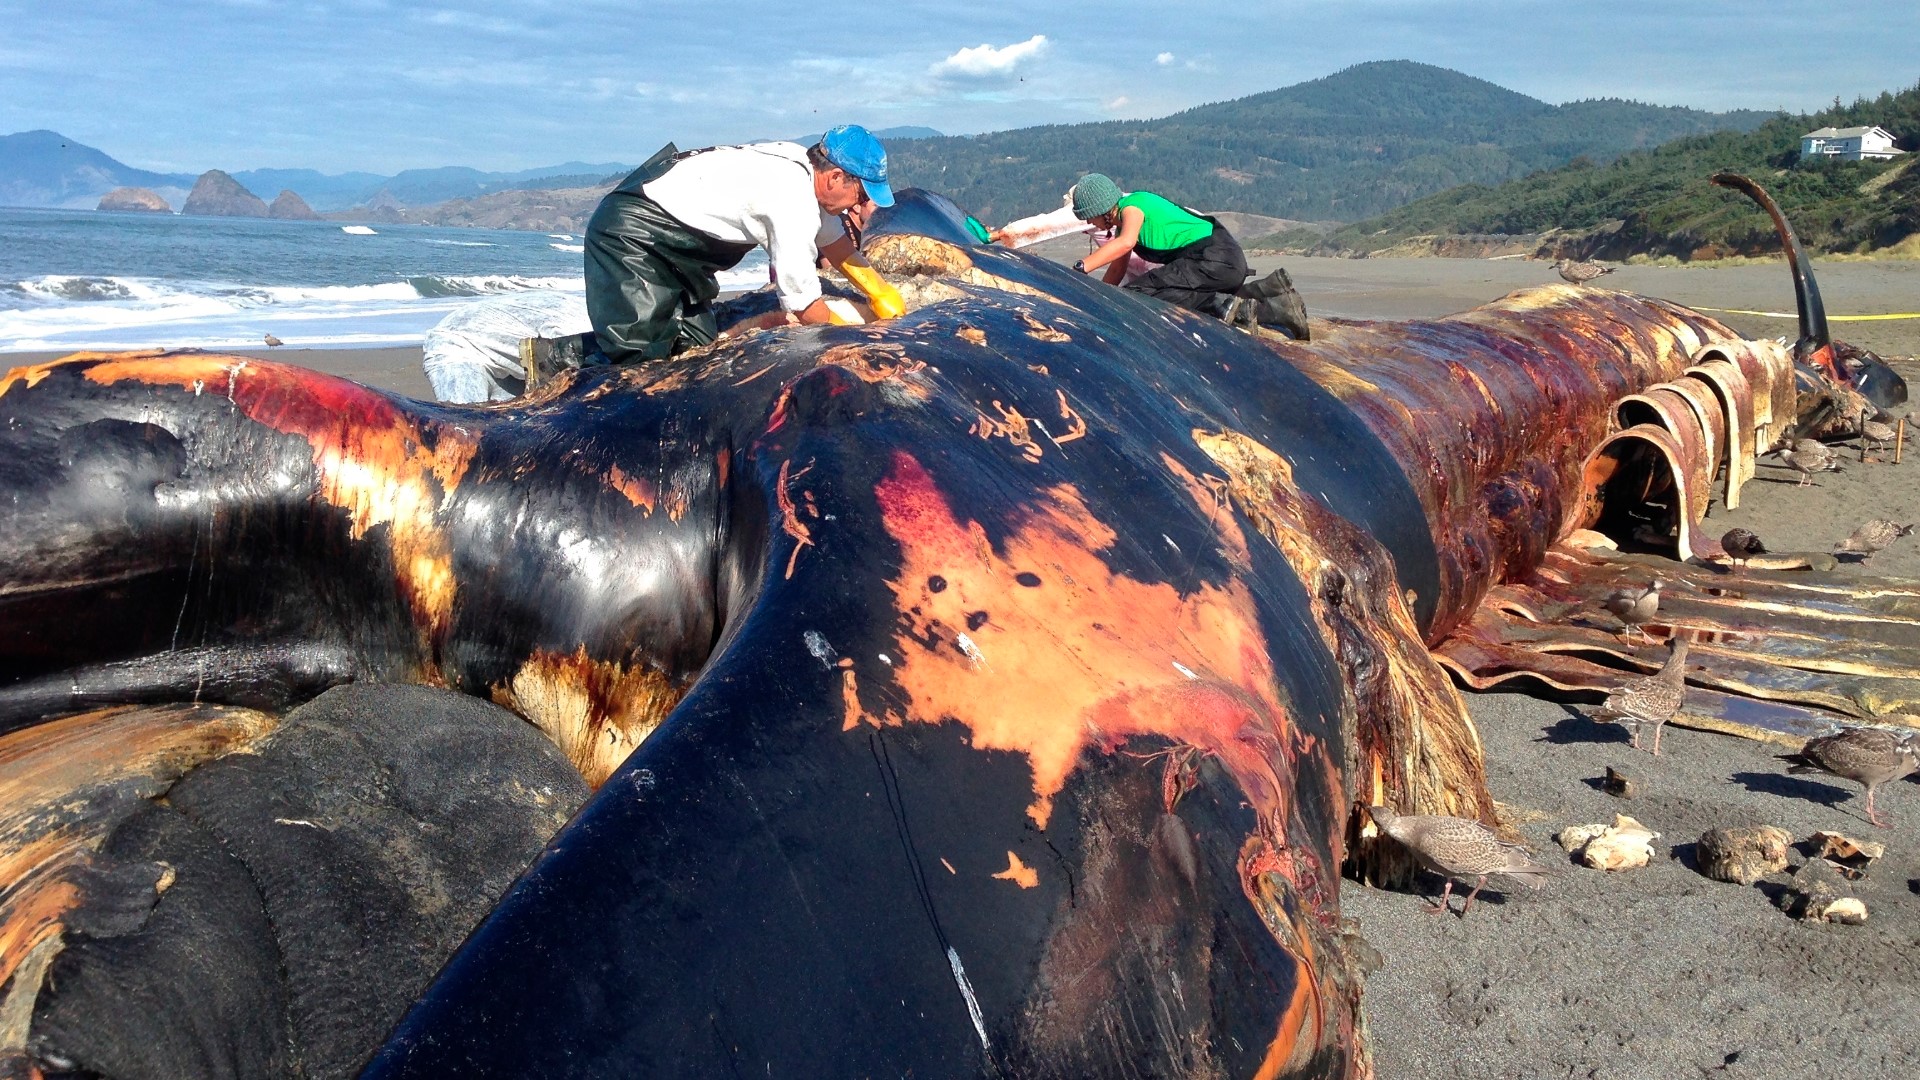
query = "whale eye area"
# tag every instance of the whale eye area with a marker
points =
(936, 583)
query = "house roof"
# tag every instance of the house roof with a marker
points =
(1844, 133)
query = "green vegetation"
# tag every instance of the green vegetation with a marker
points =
(1356, 143)
(1658, 203)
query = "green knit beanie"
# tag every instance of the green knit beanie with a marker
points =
(1094, 195)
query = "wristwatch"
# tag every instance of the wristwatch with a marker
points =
(1080, 265)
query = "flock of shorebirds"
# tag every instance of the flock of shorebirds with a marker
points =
(1462, 848)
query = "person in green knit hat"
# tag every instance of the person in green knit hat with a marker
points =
(1202, 267)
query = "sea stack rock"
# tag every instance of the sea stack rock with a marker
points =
(291, 207)
(134, 200)
(216, 194)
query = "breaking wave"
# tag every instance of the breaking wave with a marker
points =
(60, 311)
(434, 286)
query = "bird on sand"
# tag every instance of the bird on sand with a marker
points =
(1458, 848)
(1648, 700)
(1873, 431)
(1741, 545)
(1633, 606)
(1867, 756)
(1870, 537)
(1579, 273)
(1806, 457)
(273, 341)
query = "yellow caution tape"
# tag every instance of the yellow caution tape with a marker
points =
(1791, 315)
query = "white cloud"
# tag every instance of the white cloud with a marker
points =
(1117, 103)
(1163, 59)
(988, 62)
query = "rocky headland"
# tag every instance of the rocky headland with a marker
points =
(216, 194)
(133, 200)
(291, 207)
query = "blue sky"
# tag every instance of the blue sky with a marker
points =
(381, 85)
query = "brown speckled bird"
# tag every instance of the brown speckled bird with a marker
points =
(1867, 756)
(1872, 536)
(1634, 606)
(1649, 699)
(1741, 545)
(1873, 432)
(1579, 273)
(1458, 848)
(1808, 456)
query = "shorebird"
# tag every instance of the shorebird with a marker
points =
(1867, 756)
(1870, 537)
(1806, 457)
(1649, 699)
(1873, 431)
(273, 341)
(1634, 606)
(1741, 545)
(1458, 848)
(1579, 273)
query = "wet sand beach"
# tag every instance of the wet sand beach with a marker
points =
(1651, 973)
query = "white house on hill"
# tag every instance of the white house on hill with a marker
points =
(1849, 144)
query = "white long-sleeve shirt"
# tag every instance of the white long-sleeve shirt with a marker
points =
(761, 193)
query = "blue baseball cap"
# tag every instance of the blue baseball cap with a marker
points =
(853, 148)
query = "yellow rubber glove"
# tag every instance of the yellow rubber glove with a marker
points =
(884, 298)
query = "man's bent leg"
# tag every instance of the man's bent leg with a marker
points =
(635, 298)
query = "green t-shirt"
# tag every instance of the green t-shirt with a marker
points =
(1167, 227)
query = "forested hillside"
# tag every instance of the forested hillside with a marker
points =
(1354, 144)
(1658, 202)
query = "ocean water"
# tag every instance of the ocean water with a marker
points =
(79, 279)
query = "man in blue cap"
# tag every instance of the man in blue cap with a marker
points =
(657, 241)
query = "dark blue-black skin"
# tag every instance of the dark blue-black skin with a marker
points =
(755, 891)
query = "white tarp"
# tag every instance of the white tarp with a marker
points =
(473, 352)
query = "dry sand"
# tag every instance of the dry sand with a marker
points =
(1653, 973)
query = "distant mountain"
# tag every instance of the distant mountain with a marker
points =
(320, 190)
(525, 177)
(883, 134)
(45, 168)
(1658, 201)
(1356, 143)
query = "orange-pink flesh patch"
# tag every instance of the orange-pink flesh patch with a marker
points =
(1019, 873)
(1086, 658)
(373, 459)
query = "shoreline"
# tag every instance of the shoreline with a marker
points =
(1425, 288)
